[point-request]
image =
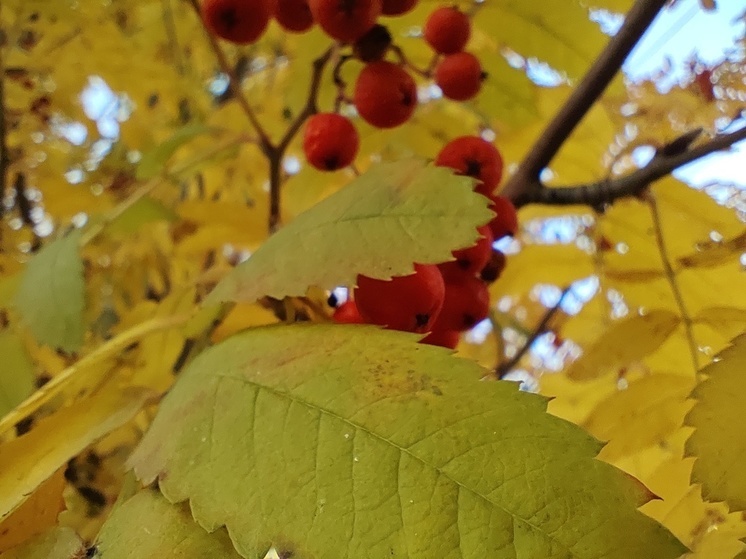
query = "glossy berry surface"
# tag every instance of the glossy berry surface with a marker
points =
(466, 303)
(505, 222)
(471, 260)
(409, 303)
(347, 313)
(345, 20)
(397, 7)
(494, 267)
(474, 157)
(442, 338)
(330, 141)
(447, 30)
(459, 76)
(385, 94)
(293, 15)
(237, 21)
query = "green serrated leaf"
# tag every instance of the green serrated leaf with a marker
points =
(51, 296)
(58, 543)
(332, 441)
(625, 342)
(149, 527)
(422, 212)
(153, 161)
(17, 376)
(718, 441)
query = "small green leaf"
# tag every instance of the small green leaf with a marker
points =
(153, 161)
(51, 297)
(719, 441)
(57, 543)
(17, 376)
(334, 441)
(144, 211)
(149, 527)
(394, 215)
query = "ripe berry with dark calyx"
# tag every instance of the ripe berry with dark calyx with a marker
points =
(385, 94)
(447, 30)
(373, 45)
(494, 267)
(237, 21)
(459, 76)
(347, 313)
(443, 338)
(330, 141)
(293, 15)
(409, 303)
(471, 260)
(505, 222)
(474, 157)
(345, 20)
(398, 7)
(466, 303)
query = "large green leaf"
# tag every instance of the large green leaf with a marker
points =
(149, 527)
(17, 374)
(51, 297)
(394, 215)
(333, 441)
(719, 441)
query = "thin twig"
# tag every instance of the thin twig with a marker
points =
(504, 368)
(671, 277)
(583, 97)
(234, 84)
(276, 153)
(606, 191)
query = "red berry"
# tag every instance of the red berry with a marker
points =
(505, 221)
(443, 338)
(385, 94)
(474, 157)
(293, 15)
(469, 261)
(466, 303)
(447, 30)
(494, 267)
(410, 303)
(347, 313)
(397, 7)
(238, 21)
(345, 20)
(330, 141)
(459, 76)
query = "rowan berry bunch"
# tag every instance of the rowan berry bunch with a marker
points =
(385, 92)
(451, 297)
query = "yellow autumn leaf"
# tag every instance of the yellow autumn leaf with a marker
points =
(625, 342)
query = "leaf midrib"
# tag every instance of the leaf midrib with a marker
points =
(402, 450)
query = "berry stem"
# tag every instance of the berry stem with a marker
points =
(234, 84)
(426, 73)
(583, 97)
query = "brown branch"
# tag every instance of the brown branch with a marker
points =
(234, 84)
(606, 191)
(276, 153)
(504, 368)
(583, 97)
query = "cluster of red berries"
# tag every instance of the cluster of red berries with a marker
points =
(385, 94)
(451, 297)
